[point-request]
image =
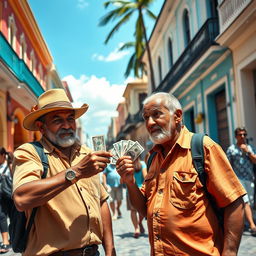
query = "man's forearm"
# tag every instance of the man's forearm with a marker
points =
(108, 240)
(36, 193)
(233, 227)
(138, 201)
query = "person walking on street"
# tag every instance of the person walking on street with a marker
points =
(111, 182)
(140, 172)
(5, 203)
(181, 220)
(73, 217)
(242, 157)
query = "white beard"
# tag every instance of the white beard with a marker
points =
(160, 137)
(62, 142)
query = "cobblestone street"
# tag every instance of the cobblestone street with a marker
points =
(127, 245)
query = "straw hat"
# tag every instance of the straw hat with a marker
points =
(51, 100)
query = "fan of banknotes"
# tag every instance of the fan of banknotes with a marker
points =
(120, 148)
(125, 148)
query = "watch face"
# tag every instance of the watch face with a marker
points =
(70, 174)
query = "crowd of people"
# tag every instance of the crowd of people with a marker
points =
(74, 217)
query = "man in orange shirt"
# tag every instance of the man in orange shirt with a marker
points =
(73, 217)
(181, 220)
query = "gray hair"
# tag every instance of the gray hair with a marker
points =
(169, 101)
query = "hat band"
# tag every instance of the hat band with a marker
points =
(64, 104)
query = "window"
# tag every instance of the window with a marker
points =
(186, 27)
(160, 68)
(142, 97)
(12, 32)
(23, 48)
(40, 73)
(33, 63)
(170, 53)
(212, 5)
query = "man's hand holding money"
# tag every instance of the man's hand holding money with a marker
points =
(125, 168)
(92, 164)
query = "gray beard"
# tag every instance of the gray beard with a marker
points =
(62, 142)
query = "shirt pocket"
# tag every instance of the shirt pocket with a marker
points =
(183, 189)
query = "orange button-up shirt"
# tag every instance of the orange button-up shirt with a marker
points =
(180, 218)
(72, 218)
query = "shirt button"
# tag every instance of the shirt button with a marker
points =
(160, 191)
(158, 237)
(81, 188)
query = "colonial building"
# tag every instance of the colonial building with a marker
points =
(26, 70)
(129, 124)
(238, 33)
(189, 63)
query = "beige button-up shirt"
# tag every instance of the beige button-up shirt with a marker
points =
(72, 218)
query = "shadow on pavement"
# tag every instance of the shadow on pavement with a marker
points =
(129, 234)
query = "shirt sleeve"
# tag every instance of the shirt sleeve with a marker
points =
(104, 195)
(27, 165)
(222, 182)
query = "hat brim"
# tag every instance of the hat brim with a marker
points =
(29, 120)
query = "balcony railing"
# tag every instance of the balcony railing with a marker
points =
(18, 67)
(229, 10)
(195, 49)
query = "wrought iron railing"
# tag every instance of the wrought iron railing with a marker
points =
(195, 49)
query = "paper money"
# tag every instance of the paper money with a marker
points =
(98, 143)
(125, 147)
(135, 150)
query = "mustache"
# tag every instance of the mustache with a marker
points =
(63, 130)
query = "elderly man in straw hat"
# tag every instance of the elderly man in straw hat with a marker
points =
(73, 216)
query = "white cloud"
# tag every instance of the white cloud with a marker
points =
(102, 98)
(112, 56)
(81, 4)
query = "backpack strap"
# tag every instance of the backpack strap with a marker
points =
(150, 159)
(44, 159)
(197, 151)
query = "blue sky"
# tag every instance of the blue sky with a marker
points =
(93, 70)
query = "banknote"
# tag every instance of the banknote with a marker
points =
(98, 143)
(134, 151)
(118, 147)
(125, 147)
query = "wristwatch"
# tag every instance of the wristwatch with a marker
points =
(70, 175)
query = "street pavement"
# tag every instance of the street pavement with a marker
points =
(127, 245)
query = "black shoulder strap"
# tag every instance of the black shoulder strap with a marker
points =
(40, 150)
(5, 169)
(197, 151)
(150, 159)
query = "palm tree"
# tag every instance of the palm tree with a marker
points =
(123, 11)
(135, 62)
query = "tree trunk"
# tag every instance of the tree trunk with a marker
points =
(152, 77)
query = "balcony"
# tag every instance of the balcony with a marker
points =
(229, 10)
(17, 66)
(195, 49)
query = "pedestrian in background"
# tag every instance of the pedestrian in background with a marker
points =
(111, 182)
(242, 157)
(181, 219)
(73, 217)
(140, 172)
(5, 203)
